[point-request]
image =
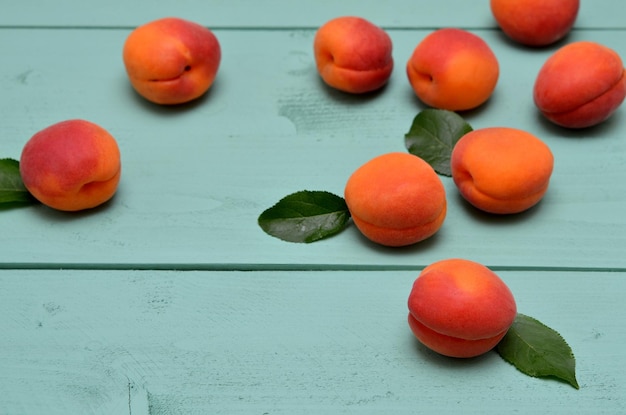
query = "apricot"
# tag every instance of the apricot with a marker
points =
(460, 308)
(353, 55)
(535, 22)
(501, 170)
(453, 69)
(396, 199)
(580, 85)
(72, 165)
(171, 60)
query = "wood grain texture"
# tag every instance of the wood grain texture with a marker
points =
(196, 177)
(143, 342)
(281, 14)
(97, 315)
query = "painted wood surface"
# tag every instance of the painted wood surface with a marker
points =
(145, 342)
(271, 14)
(195, 178)
(171, 300)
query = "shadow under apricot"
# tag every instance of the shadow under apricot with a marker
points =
(513, 44)
(447, 362)
(426, 244)
(605, 129)
(347, 98)
(55, 215)
(169, 110)
(487, 218)
(467, 115)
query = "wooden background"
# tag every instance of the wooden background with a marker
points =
(171, 300)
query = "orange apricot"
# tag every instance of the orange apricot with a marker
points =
(171, 60)
(580, 85)
(396, 199)
(453, 69)
(501, 170)
(460, 308)
(71, 165)
(353, 55)
(535, 22)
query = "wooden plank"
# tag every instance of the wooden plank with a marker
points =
(146, 342)
(280, 13)
(196, 177)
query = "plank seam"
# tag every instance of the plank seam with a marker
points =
(277, 267)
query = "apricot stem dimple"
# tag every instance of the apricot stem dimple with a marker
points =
(428, 77)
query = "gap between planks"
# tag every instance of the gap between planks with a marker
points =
(276, 267)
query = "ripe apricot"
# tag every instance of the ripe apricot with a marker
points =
(501, 170)
(71, 165)
(353, 55)
(396, 199)
(580, 85)
(453, 69)
(535, 22)
(460, 308)
(171, 60)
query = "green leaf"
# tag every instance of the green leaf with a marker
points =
(433, 135)
(305, 216)
(12, 189)
(537, 350)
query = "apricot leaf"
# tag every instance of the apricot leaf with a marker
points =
(12, 190)
(432, 137)
(305, 216)
(537, 350)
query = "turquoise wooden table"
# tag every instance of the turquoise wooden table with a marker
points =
(171, 300)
